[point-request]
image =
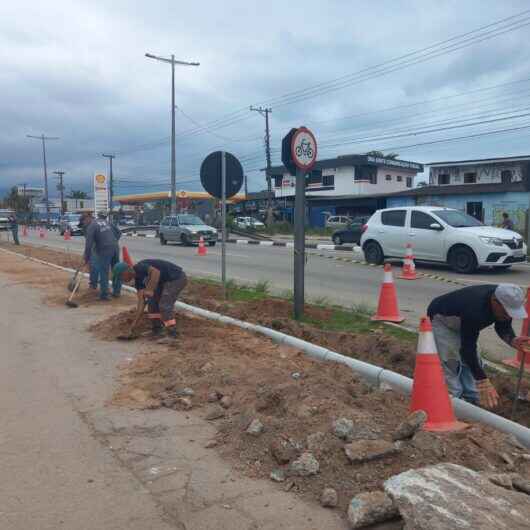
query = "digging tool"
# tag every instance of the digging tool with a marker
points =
(70, 302)
(131, 335)
(73, 281)
(519, 379)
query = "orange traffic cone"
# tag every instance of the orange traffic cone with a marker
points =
(409, 269)
(515, 362)
(387, 308)
(67, 235)
(127, 257)
(201, 250)
(429, 391)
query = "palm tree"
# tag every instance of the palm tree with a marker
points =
(380, 154)
(16, 202)
(78, 194)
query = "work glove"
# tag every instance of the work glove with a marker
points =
(522, 344)
(488, 396)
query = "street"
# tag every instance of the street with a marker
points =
(340, 283)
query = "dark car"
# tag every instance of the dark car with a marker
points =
(351, 233)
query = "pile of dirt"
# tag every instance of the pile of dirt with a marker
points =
(297, 400)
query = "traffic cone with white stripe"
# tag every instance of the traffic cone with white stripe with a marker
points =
(429, 390)
(408, 272)
(127, 257)
(201, 249)
(515, 362)
(387, 309)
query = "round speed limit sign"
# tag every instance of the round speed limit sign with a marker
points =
(304, 149)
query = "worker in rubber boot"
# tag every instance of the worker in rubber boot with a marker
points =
(159, 283)
(458, 318)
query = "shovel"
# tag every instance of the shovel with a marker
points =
(73, 281)
(131, 335)
(70, 302)
(524, 353)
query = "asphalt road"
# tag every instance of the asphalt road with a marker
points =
(340, 283)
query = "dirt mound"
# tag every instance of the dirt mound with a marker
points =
(297, 400)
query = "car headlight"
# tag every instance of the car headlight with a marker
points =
(495, 241)
(193, 231)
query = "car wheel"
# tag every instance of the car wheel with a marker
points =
(162, 240)
(373, 253)
(211, 243)
(184, 240)
(337, 240)
(61, 232)
(463, 260)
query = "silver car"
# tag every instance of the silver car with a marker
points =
(186, 229)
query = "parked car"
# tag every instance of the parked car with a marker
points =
(248, 222)
(4, 219)
(440, 235)
(70, 222)
(351, 233)
(186, 229)
(335, 221)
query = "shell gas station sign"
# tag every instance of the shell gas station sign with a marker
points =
(101, 193)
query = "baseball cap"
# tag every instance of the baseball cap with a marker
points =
(512, 299)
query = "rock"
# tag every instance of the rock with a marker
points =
(255, 428)
(366, 450)
(504, 480)
(329, 498)
(211, 444)
(452, 496)
(521, 484)
(371, 508)
(278, 475)
(214, 413)
(186, 392)
(184, 403)
(296, 375)
(427, 442)
(343, 429)
(315, 440)
(412, 424)
(213, 397)
(282, 451)
(226, 402)
(304, 466)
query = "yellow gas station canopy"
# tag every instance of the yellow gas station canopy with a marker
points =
(140, 198)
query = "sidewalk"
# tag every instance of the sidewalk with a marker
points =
(68, 460)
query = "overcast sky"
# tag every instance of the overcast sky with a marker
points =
(76, 70)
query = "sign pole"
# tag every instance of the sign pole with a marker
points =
(223, 216)
(299, 244)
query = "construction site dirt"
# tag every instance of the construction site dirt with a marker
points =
(239, 379)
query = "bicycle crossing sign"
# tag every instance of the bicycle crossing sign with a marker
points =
(303, 149)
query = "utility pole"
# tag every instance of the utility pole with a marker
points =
(43, 139)
(111, 184)
(172, 61)
(265, 112)
(61, 189)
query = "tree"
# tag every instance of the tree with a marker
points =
(77, 194)
(17, 202)
(421, 184)
(380, 154)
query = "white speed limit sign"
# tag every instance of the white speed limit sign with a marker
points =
(304, 149)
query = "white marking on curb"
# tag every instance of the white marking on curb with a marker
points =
(242, 241)
(325, 247)
(289, 245)
(267, 243)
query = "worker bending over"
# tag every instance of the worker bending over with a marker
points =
(457, 319)
(158, 283)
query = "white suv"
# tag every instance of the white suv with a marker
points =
(440, 235)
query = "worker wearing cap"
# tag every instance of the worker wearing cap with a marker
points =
(159, 283)
(457, 320)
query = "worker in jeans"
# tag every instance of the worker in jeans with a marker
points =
(100, 247)
(158, 283)
(458, 318)
(13, 226)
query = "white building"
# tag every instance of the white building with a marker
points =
(349, 175)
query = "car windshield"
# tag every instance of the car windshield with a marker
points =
(73, 218)
(457, 219)
(190, 220)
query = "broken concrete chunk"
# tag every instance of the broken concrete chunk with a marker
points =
(361, 451)
(329, 498)
(282, 451)
(371, 508)
(215, 412)
(452, 496)
(278, 475)
(186, 392)
(255, 428)
(304, 466)
(412, 424)
(343, 429)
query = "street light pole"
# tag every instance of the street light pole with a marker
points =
(173, 62)
(43, 139)
(61, 189)
(111, 184)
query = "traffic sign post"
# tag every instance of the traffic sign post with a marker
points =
(222, 177)
(299, 154)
